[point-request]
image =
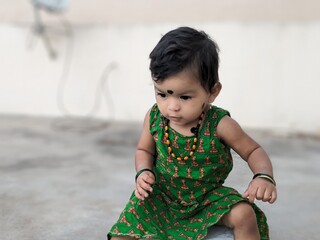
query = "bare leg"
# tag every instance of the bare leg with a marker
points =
(242, 220)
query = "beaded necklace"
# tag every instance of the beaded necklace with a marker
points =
(194, 130)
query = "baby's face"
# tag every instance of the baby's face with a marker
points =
(181, 99)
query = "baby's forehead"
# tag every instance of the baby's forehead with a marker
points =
(179, 83)
(175, 90)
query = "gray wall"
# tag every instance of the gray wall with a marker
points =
(270, 58)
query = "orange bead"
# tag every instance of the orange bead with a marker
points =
(193, 147)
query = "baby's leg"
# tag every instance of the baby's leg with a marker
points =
(242, 219)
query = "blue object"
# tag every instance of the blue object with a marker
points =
(51, 5)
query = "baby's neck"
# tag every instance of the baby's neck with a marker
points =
(184, 130)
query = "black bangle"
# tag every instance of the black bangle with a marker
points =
(265, 176)
(144, 170)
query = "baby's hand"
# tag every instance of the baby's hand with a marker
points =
(144, 185)
(261, 189)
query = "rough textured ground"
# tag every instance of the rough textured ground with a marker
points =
(64, 179)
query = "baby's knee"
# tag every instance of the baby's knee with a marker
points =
(239, 215)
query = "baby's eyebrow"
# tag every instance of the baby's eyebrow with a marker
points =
(187, 92)
(168, 91)
(156, 88)
(191, 91)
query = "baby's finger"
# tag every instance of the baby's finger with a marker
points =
(249, 195)
(149, 178)
(252, 194)
(146, 177)
(138, 195)
(145, 185)
(273, 197)
(261, 194)
(143, 192)
(267, 196)
(245, 194)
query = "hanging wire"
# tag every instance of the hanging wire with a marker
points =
(101, 91)
(100, 88)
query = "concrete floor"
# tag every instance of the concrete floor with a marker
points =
(70, 178)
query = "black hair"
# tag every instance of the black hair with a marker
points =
(184, 48)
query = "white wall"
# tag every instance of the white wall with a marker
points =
(269, 71)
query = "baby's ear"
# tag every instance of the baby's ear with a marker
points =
(215, 92)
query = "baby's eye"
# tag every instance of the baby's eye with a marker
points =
(185, 97)
(163, 95)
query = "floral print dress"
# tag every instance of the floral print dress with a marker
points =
(188, 196)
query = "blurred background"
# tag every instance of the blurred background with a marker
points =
(75, 86)
(63, 57)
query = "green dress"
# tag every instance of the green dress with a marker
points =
(188, 196)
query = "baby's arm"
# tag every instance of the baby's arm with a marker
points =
(232, 134)
(144, 158)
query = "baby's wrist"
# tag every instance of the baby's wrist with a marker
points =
(144, 170)
(266, 177)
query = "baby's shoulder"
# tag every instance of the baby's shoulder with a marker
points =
(154, 111)
(215, 114)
